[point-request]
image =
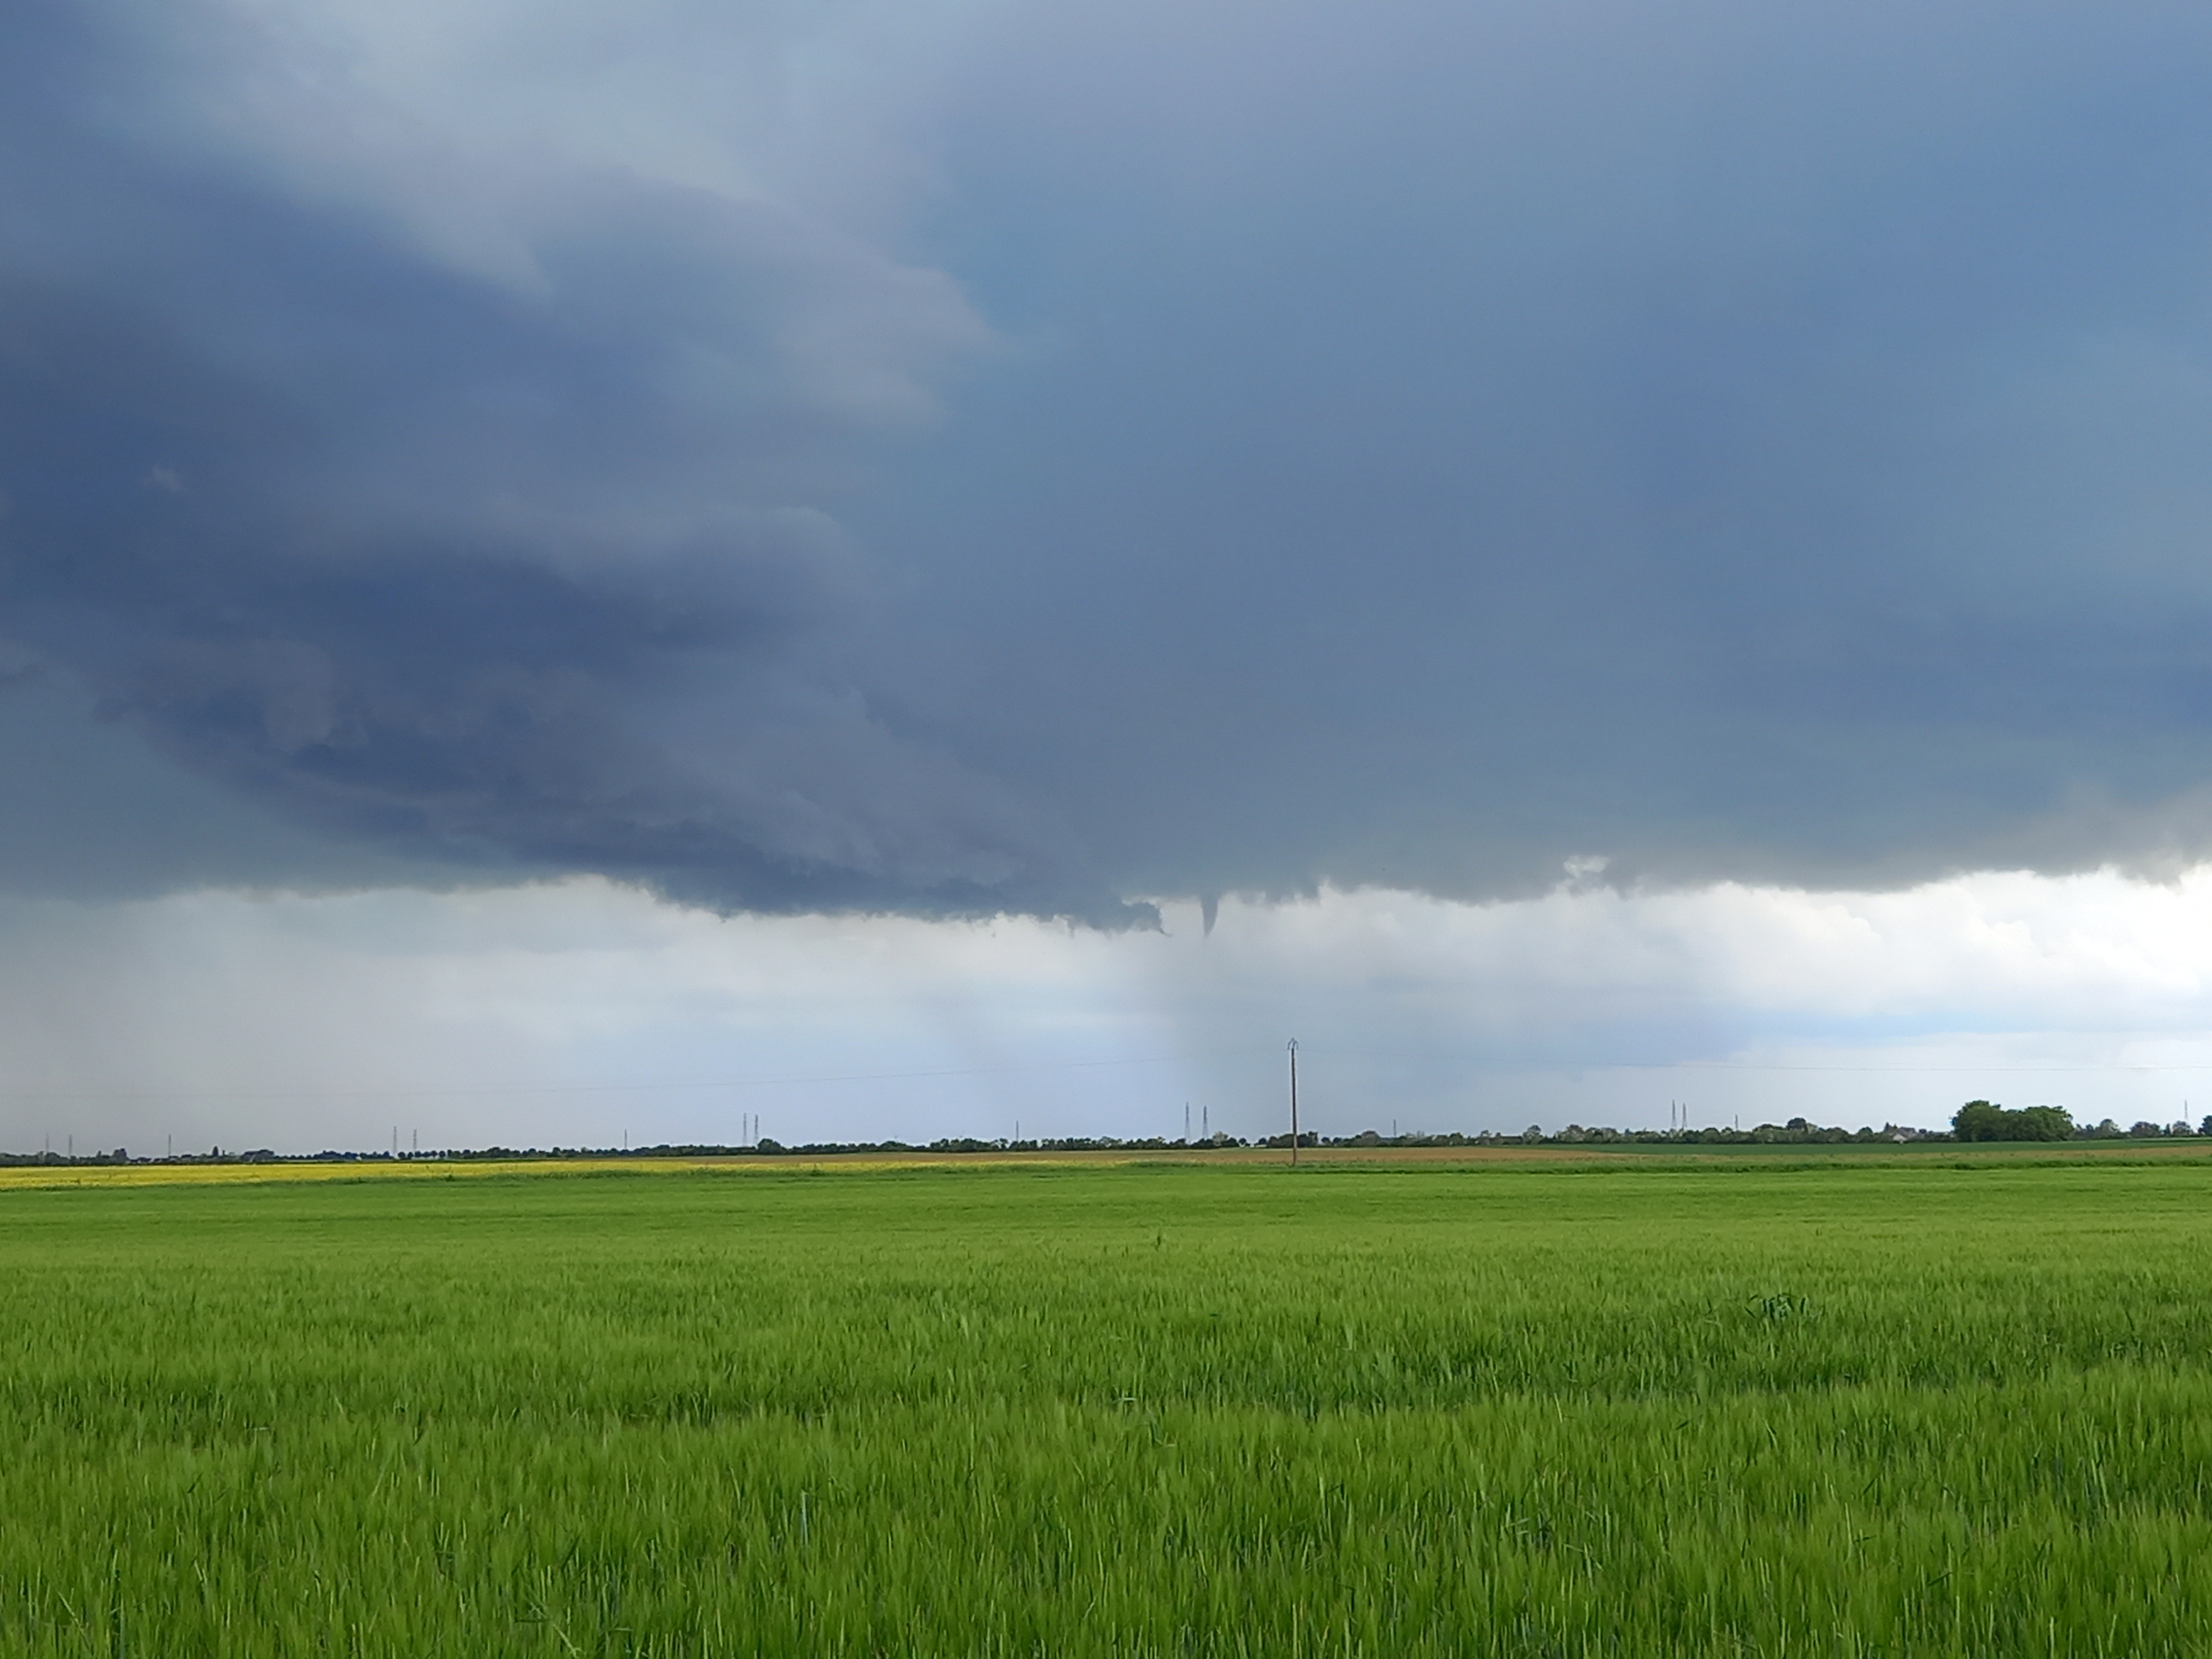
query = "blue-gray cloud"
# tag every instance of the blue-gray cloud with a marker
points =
(1118, 452)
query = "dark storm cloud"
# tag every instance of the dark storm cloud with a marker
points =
(1727, 446)
(1407, 445)
(468, 573)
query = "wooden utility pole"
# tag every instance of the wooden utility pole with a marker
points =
(1294, 1102)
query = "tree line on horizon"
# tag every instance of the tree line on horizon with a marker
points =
(1981, 1120)
(1976, 1121)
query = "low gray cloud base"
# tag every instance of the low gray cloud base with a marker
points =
(1157, 456)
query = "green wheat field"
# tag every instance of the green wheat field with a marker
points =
(1903, 1405)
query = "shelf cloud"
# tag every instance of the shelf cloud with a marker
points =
(959, 458)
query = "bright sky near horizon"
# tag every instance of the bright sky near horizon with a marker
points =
(590, 568)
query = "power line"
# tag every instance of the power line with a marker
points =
(1895, 1070)
(577, 1088)
(680, 1084)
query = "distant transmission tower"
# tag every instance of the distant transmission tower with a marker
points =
(1294, 1103)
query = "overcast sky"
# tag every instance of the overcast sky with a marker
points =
(564, 567)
